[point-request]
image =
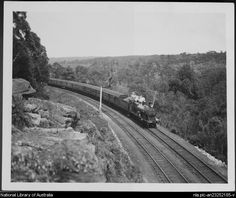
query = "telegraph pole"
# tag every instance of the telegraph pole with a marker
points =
(154, 98)
(100, 106)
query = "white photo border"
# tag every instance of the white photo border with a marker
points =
(9, 7)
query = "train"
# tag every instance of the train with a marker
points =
(143, 113)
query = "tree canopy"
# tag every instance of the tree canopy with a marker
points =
(30, 59)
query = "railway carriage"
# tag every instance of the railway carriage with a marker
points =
(145, 115)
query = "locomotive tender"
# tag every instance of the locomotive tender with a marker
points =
(145, 114)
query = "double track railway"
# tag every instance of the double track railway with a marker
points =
(151, 143)
(206, 172)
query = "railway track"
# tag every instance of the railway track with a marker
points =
(204, 170)
(169, 171)
(207, 173)
(165, 171)
(164, 168)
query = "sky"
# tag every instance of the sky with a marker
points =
(120, 29)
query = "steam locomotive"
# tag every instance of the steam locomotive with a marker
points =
(141, 112)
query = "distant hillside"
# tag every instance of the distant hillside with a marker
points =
(65, 61)
(199, 60)
(91, 61)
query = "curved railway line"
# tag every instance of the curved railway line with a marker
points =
(169, 171)
(165, 170)
(204, 170)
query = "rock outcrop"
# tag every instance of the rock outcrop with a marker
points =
(21, 86)
(47, 114)
(50, 150)
(60, 145)
(54, 155)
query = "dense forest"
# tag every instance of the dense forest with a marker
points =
(189, 90)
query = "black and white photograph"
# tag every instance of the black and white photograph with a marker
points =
(118, 96)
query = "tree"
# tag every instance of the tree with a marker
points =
(185, 72)
(81, 73)
(96, 77)
(22, 62)
(160, 85)
(68, 74)
(174, 85)
(23, 68)
(30, 59)
(56, 70)
(185, 82)
(39, 56)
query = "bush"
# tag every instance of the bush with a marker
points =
(41, 93)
